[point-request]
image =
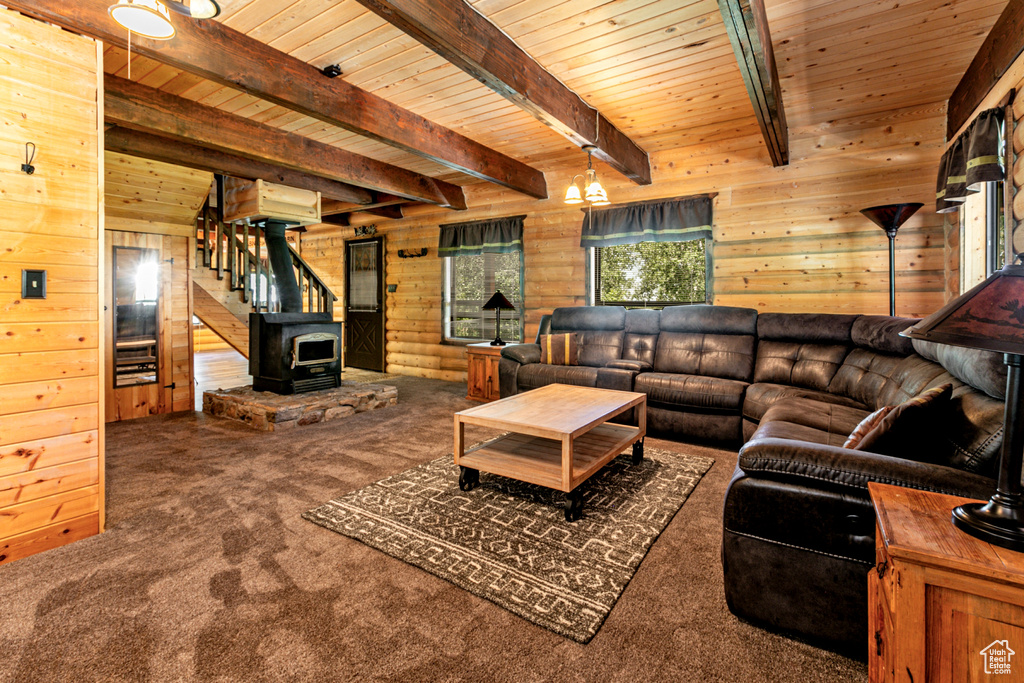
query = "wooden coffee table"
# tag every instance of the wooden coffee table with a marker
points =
(559, 437)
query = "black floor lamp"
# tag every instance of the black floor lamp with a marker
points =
(991, 316)
(889, 218)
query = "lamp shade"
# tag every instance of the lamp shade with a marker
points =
(572, 194)
(891, 216)
(148, 18)
(989, 316)
(498, 301)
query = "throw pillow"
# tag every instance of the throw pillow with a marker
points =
(912, 430)
(866, 425)
(559, 349)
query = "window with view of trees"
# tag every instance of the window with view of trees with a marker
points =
(651, 274)
(470, 282)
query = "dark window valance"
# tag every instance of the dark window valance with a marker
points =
(492, 236)
(673, 220)
(972, 159)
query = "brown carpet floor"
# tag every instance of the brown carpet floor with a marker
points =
(207, 572)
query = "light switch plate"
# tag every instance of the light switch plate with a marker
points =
(33, 284)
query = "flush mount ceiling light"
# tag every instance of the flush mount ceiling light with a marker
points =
(592, 192)
(148, 18)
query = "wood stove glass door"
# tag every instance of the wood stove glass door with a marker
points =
(364, 304)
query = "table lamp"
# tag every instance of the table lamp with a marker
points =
(991, 316)
(496, 303)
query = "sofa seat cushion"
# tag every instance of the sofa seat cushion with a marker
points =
(808, 419)
(539, 374)
(691, 391)
(763, 395)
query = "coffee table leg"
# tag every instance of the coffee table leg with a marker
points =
(468, 478)
(573, 505)
(638, 452)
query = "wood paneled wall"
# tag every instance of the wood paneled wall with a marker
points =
(785, 239)
(174, 389)
(51, 365)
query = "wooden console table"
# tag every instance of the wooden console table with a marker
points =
(482, 375)
(943, 605)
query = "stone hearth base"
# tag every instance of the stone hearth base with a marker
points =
(273, 412)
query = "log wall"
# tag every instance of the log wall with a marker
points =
(785, 239)
(51, 364)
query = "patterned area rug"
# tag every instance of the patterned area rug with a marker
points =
(508, 542)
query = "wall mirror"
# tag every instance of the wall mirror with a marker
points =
(136, 320)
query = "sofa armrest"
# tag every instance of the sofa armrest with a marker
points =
(524, 354)
(792, 460)
(636, 365)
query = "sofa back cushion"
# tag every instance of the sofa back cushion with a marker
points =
(883, 370)
(641, 338)
(712, 341)
(801, 350)
(601, 331)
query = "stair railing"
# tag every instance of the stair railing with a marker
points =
(237, 250)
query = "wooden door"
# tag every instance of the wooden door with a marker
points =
(173, 389)
(364, 304)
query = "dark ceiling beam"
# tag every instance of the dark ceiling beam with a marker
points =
(747, 26)
(393, 211)
(136, 143)
(138, 107)
(214, 51)
(328, 208)
(460, 34)
(1001, 48)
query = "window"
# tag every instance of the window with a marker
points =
(982, 234)
(470, 280)
(651, 274)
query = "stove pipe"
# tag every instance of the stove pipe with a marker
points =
(281, 264)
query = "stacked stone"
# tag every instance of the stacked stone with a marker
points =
(274, 412)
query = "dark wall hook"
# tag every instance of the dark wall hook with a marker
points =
(30, 155)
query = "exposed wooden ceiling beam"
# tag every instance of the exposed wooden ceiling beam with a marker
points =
(221, 54)
(1001, 48)
(139, 107)
(747, 26)
(136, 143)
(328, 208)
(393, 211)
(467, 39)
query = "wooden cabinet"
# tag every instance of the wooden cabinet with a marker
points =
(483, 371)
(943, 605)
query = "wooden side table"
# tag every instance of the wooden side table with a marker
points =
(944, 606)
(482, 377)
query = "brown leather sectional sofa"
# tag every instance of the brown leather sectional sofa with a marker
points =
(798, 528)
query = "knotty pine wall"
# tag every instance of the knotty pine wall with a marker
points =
(174, 389)
(787, 239)
(51, 364)
(153, 205)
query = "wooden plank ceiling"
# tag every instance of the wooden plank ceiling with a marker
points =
(663, 72)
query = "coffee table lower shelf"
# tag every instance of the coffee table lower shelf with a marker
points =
(537, 460)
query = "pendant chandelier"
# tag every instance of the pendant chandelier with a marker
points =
(591, 191)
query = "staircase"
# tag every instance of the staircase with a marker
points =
(232, 278)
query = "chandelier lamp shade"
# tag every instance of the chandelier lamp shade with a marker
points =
(497, 303)
(889, 218)
(991, 317)
(591, 192)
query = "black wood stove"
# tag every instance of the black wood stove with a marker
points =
(291, 352)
